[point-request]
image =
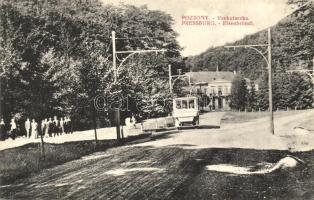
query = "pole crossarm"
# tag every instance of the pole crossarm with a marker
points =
(253, 46)
(260, 52)
(142, 51)
(247, 45)
(131, 53)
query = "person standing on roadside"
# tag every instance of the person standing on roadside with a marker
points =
(50, 127)
(34, 126)
(27, 128)
(55, 126)
(46, 134)
(61, 125)
(42, 128)
(13, 130)
(2, 130)
(133, 121)
(66, 125)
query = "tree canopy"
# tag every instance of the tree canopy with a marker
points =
(56, 56)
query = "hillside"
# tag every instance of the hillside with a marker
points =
(292, 47)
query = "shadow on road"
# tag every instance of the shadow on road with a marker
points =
(209, 127)
(169, 172)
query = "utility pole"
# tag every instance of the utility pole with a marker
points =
(268, 61)
(270, 77)
(170, 84)
(114, 63)
(115, 69)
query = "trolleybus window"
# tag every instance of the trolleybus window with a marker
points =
(184, 104)
(178, 104)
(191, 103)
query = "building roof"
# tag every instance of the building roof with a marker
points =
(210, 76)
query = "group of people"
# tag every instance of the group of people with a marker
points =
(47, 128)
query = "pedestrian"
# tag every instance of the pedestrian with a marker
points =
(34, 126)
(2, 130)
(42, 128)
(13, 130)
(55, 126)
(61, 125)
(133, 121)
(50, 127)
(68, 125)
(27, 128)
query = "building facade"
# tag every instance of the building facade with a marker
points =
(216, 86)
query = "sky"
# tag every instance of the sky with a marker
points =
(195, 39)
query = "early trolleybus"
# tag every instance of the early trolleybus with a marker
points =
(186, 111)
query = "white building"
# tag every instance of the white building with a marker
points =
(216, 85)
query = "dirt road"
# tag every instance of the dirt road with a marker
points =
(174, 167)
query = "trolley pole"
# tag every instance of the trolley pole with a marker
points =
(268, 61)
(114, 63)
(170, 84)
(115, 70)
(270, 96)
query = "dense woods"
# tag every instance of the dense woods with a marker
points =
(56, 57)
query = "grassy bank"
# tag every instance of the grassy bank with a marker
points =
(239, 117)
(21, 162)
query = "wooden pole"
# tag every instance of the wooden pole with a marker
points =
(117, 111)
(170, 84)
(270, 95)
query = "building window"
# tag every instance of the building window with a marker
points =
(219, 90)
(212, 89)
(226, 92)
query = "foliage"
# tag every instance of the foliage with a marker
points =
(56, 57)
(239, 93)
(292, 91)
(252, 97)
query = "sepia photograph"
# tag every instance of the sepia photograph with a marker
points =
(157, 99)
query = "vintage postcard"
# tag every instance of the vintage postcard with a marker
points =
(164, 99)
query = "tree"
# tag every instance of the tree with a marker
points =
(62, 57)
(239, 93)
(252, 97)
(300, 91)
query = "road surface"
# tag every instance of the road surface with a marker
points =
(175, 166)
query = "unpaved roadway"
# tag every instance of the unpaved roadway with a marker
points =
(173, 166)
